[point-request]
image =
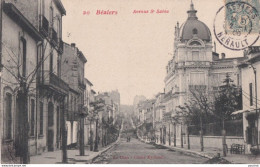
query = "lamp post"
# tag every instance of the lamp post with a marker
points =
(96, 138)
(257, 117)
(82, 115)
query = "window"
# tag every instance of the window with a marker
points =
(50, 115)
(23, 57)
(8, 116)
(197, 78)
(41, 118)
(58, 123)
(195, 55)
(251, 93)
(51, 16)
(58, 66)
(32, 116)
(51, 62)
(59, 28)
(195, 31)
(238, 83)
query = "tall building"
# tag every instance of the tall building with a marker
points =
(34, 28)
(250, 69)
(72, 72)
(19, 36)
(194, 65)
(137, 100)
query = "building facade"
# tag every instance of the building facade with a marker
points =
(194, 66)
(73, 63)
(87, 102)
(250, 69)
(39, 39)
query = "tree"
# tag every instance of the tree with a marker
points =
(97, 106)
(26, 83)
(188, 113)
(23, 83)
(227, 101)
(200, 100)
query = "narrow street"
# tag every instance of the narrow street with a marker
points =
(137, 152)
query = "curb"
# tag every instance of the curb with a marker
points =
(112, 144)
(101, 152)
(186, 152)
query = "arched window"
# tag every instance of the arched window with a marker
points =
(23, 57)
(32, 122)
(195, 31)
(41, 118)
(8, 116)
(195, 43)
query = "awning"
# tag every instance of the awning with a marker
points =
(242, 111)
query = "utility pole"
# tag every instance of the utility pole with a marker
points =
(1, 18)
(174, 134)
(188, 135)
(169, 134)
(82, 116)
(64, 131)
(81, 136)
(181, 137)
(257, 117)
(96, 139)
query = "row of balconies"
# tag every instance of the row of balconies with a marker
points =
(52, 80)
(48, 31)
(194, 64)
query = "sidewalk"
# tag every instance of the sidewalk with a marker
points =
(55, 157)
(212, 152)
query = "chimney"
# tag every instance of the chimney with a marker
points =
(223, 55)
(215, 49)
(73, 45)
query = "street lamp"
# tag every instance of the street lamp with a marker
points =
(257, 117)
(96, 138)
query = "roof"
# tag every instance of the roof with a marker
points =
(252, 54)
(88, 82)
(194, 27)
(92, 91)
(82, 57)
(60, 6)
(19, 18)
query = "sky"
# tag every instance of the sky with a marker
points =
(129, 51)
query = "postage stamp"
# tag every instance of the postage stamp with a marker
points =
(236, 24)
(241, 17)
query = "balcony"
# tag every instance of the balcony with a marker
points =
(194, 64)
(54, 37)
(54, 83)
(44, 26)
(72, 116)
(60, 46)
(198, 87)
(82, 85)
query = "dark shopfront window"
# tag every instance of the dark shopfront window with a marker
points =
(32, 117)
(41, 118)
(8, 116)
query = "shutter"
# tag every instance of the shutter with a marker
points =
(247, 135)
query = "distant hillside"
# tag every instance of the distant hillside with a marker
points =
(126, 108)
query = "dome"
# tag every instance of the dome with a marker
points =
(194, 27)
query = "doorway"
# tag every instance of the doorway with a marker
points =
(50, 133)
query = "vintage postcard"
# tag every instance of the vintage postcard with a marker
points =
(129, 82)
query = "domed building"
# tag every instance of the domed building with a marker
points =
(194, 65)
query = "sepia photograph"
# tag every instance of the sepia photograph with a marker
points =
(129, 82)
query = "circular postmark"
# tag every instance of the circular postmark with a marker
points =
(236, 25)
